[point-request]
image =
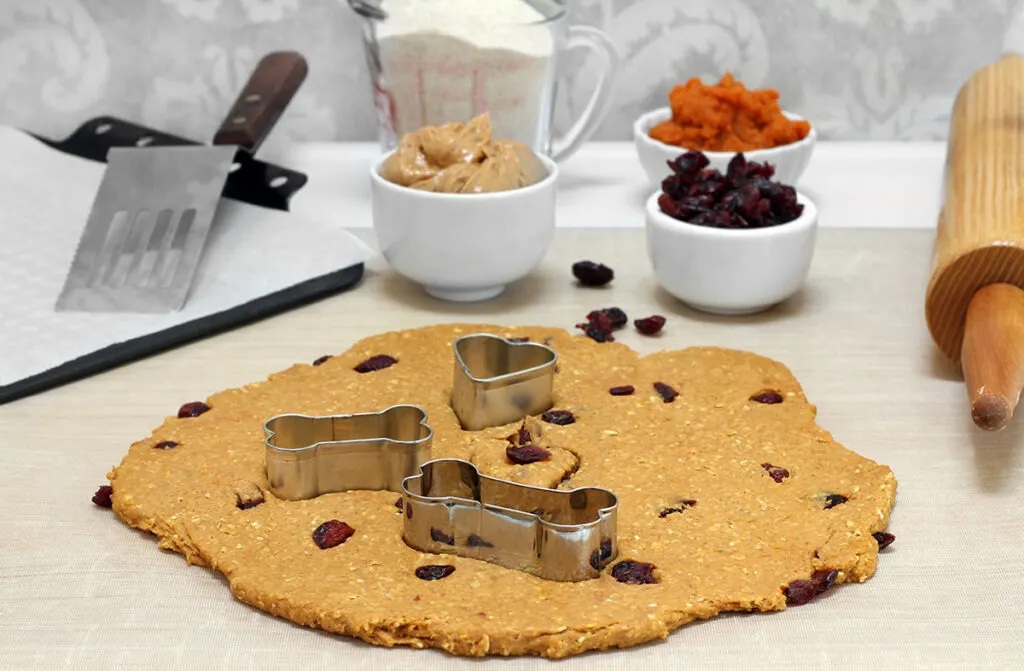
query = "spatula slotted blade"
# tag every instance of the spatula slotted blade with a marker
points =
(147, 228)
(154, 208)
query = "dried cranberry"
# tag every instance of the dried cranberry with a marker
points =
(800, 592)
(375, 363)
(332, 533)
(248, 503)
(599, 557)
(526, 454)
(434, 571)
(683, 505)
(616, 317)
(399, 503)
(322, 359)
(248, 495)
(690, 163)
(559, 417)
(777, 473)
(439, 536)
(602, 319)
(521, 436)
(193, 409)
(737, 169)
(744, 197)
(650, 325)
(667, 393)
(166, 445)
(408, 512)
(768, 397)
(592, 274)
(624, 390)
(764, 170)
(634, 572)
(519, 339)
(884, 539)
(596, 333)
(475, 541)
(833, 500)
(598, 327)
(102, 497)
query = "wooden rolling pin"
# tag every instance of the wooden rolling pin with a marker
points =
(975, 302)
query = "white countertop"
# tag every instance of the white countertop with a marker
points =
(854, 184)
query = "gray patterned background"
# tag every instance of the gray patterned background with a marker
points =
(859, 69)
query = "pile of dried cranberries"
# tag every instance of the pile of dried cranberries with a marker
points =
(744, 197)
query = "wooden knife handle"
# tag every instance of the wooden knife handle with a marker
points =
(270, 88)
(993, 354)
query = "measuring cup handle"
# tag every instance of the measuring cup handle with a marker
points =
(597, 107)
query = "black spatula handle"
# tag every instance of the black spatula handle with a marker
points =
(270, 88)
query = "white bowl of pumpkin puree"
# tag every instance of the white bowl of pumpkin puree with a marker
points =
(722, 120)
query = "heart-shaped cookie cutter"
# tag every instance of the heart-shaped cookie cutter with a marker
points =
(498, 381)
(564, 535)
(309, 456)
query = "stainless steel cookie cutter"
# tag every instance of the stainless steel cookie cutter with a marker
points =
(309, 456)
(498, 381)
(565, 535)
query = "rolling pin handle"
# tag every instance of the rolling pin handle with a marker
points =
(992, 355)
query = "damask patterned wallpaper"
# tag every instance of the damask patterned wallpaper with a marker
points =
(859, 69)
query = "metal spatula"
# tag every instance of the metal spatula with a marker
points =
(153, 211)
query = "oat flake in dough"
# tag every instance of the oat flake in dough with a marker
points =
(743, 541)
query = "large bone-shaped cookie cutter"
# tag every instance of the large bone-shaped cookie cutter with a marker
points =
(565, 535)
(309, 456)
(498, 381)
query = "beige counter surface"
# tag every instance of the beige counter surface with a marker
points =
(79, 590)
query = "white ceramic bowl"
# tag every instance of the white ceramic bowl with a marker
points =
(464, 247)
(789, 160)
(730, 271)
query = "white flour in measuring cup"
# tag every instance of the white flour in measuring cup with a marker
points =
(452, 60)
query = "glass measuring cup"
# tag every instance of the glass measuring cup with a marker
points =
(433, 62)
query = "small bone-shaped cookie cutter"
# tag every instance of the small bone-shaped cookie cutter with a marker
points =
(565, 535)
(498, 381)
(309, 456)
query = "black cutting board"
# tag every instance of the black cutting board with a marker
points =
(255, 182)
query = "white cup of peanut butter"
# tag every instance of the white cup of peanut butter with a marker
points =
(461, 214)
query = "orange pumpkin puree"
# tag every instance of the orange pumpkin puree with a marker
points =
(727, 117)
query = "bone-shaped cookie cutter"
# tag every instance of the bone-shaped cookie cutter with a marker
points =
(498, 381)
(309, 456)
(565, 535)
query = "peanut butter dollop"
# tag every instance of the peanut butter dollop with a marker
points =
(462, 158)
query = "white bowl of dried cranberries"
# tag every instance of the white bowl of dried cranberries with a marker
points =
(733, 243)
(790, 160)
